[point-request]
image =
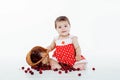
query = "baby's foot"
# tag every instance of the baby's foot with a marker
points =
(81, 66)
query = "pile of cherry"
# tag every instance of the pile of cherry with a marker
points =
(42, 67)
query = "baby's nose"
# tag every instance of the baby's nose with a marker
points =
(63, 28)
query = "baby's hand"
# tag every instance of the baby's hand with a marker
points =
(78, 57)
(48, 51)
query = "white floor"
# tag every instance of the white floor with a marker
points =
(11, 70)
(104, 56)
(27, 23)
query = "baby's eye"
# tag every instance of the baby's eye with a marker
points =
(59, 27)
(65, 26)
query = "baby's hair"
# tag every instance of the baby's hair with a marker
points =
(61, 18)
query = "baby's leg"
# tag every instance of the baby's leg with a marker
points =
(54, 64)
(81, 65)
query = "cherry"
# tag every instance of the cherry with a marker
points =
(55, 69)
(66, 71)
(70, 70)
(26, 71)
(32, 73)
(79, 74)
(22, 68)
(93, 68)
(59, 72)
(40, 72)
(78, 69)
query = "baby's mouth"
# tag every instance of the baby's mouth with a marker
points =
(63, 31)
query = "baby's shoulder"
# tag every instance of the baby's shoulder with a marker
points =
(56, 38)
(73, 37)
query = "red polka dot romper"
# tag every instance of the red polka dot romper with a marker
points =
(65, 52)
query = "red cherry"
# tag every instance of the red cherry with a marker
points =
(74, 69)
(40, 72)
(22, 68)
(32, 73)
(62, 69)
(70, 70)
(78, 69)
(79, 74)
(55, 69)
(93, 68)
(59, 72)
(26, 71)
(40, 69)
(66, 71)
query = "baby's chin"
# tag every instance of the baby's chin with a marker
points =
(64, 34)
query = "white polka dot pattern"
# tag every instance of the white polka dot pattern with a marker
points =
(65, 54)
(64, 51)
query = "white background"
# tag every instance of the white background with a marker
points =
(27, 23)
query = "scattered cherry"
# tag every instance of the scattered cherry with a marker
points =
(93, 68)
(70, 70)
(55, 69)
(78, 69)
(22, 68)
(59, 72)
(79, 74)
(26, 71)
(40, 69)
(40, 72)
(32, 73)
(66, 71)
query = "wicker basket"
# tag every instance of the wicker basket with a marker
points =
(37, 55)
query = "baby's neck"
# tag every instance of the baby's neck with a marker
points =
(63, 36)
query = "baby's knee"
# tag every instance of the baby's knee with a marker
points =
(54, 64)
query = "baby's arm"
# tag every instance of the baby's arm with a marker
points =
(51, 46)
(77, 48)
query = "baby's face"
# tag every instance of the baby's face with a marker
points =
(63, 28)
